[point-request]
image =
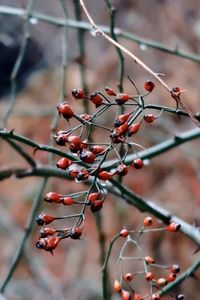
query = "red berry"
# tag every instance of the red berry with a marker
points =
(137, 297)
(128, 277)
(75, 233)
(65, 110)
(44, 219)
(149, 86)
(138, 163)
(61, 138)
(149, 276)
(104, 175)
(67, 201)
(173, 227)
(78, 93)
(110, 92)
(171, 277)
(149, 260)
(73, 173)
(133, 128)
(82, 175)
(96, 149)
(48, 243)
(46, 231)
(87, 156)
(96, 205)
(155, 297)
(121, 120)
(85, 117)
(148, 221)
(52, 197)
(75, 143)
(96, 99)
(126, 295)
(175, 269)
(122, 170)
(121, 130)
(124, 233)
(63, 163)
(149, 118)
(93, 196)
(117, 286)
(122, 98)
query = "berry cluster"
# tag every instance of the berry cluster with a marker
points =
(87, 160)
(125, 285)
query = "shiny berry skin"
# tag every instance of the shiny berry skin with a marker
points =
(44, 219)
(75, 143)
(78, 93)
(93, 196)
(63, 163)
(48, 244)
(122, 98)
(110, 92)
(65, 110)
(96, 99)
(155, 297)
(149, 118)
(85, 117)
(97, 150)
(52, 197)
(87, 157)
(117, 286)
(126, 295)
(175, 269)
(133, 129)
(96, 205)
(73, 173)
(82, 175)
(121, 130)
(137, 297)
(75, 233)
(171, 277)
(173, 227)
(149, 260)
(124, 233)
(137, 163)
(148, 221)
(67, 201)
(61, 138)
(161, 282)
(122, 170)
(104, 175)
(46, 231)
(121, 120)
(149, 276)
(149, 86)
(128, 277)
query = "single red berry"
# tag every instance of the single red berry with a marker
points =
(96, 205)
(97, 150)
(110, 92)
(73, 173)
(121, 120)
(124, 233)
(149, 118)
(75, 233)
(149, 86)
(87, 156)
(171, 277)
(65, 110)
(105, 175)
(138, 163)
(61, 138)
(173, 227)
(49, 243)
(46, 231)
(117, 286)
(122, 170)
(78, 93)
(148, 221)
(149, 260)
(137, 297)
(128, 277)
(63, 163)
(176, 90)
(155, 297)
(122, 98)
(126, 295)
(82, 175)
(121, 130)
(133, 128)
(67, 201)
(44, 219)
(175, 269)
(52, 197)
(161, 282)
(96, 99)
(93, 196)
(149, 276)
(75, 143)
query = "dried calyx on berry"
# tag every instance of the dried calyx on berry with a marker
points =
(48, 243)
(75, 233)
(44, 219)
(78, 93)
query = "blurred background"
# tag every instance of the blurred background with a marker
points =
(170, 180)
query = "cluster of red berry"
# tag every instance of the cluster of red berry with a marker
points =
(86, 159)
(124, 285)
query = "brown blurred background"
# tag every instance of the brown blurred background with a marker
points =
(170, 180)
